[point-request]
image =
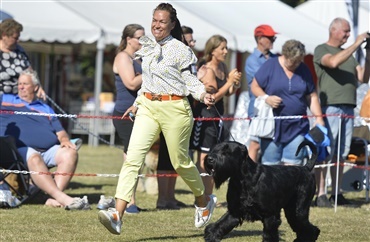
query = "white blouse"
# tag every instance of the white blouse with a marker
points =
(164, 65)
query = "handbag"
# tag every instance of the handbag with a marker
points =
(263, 124)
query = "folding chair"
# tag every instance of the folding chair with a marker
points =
(357, 179)
(10, 159)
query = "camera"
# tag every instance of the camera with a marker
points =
(132, 116)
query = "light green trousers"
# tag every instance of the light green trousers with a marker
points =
(175, 120)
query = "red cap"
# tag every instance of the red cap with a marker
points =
(264, 30)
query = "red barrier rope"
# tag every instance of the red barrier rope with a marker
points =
(144, 175)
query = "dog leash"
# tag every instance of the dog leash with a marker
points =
(222, 123)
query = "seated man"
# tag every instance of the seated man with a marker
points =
(42, 141)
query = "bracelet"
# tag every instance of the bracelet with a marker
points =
(237, 86)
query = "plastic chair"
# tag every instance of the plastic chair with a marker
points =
(10, 159)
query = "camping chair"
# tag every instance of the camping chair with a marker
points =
(357, 179)
(10, 159)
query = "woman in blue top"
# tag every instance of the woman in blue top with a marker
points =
(127, 73)
(288, 85)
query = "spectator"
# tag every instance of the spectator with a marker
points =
(220, 82)
(289, 89)
(338, 74)
(127, 72)
(188, 36)
(13, 58)
(42, 142)
(265, 38)
(163, 107)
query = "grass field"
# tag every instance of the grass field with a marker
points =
(35, 222)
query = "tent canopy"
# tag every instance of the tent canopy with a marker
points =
(4, 15)
(48, 21)
(325, 11)
(241, 18)
(86, 21)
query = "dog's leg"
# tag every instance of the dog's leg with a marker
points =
(270, 228)
(216, 231)
(301, 225)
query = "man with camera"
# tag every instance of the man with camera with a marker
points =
(338, 75)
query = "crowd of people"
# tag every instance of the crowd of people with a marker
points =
(161, 86)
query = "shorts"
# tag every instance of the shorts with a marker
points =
(346, 129)
(275, 153)
(47, 156)
(205, 135)
(124, 129)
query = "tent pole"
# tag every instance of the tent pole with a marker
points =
(100, 46)
(233, 62)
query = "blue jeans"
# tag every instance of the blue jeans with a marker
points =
(345, 129)
(275, 153)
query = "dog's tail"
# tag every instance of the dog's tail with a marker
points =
(311, 162)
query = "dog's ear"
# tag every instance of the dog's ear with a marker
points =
(244, 151)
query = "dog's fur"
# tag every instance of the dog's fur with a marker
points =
(259, 192)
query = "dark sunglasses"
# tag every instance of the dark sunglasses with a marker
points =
(271, 38)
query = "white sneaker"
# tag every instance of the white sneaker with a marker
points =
(203, 215)
(106, 202)
(77, 142)
(110, 219)
(79, 204)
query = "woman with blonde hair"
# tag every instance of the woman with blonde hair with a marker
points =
(217, 80)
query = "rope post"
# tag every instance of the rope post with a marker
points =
(338, 162)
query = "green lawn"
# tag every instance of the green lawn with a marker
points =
(35, 222)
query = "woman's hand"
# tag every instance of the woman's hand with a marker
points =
(208, 99)
(132, 110)
(273, 101)
(234, 77)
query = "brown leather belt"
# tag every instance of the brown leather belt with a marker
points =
(162, 97)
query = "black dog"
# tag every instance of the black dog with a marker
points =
(259, 192)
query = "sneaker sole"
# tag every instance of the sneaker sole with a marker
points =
(212, 209)
(105, 220)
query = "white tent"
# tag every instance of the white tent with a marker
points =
(102, 23)
(325, 11)
(241, 17)
(48, 21)
(85, 21)
(93, 22)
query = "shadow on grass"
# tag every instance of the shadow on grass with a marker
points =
(354, 202)
(78, 185)
(182, 191)
(233, 234)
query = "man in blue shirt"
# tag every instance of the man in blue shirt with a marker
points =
(41, 141)
(265, 37)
